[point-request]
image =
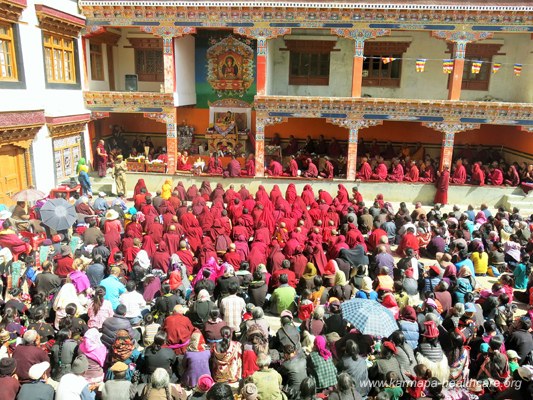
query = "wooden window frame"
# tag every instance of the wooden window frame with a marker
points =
(10, 40)
(147, 46)
(97, 61)
(66, 149)
(320, 50)
(67, 49)
(477, 51)
(375, 51)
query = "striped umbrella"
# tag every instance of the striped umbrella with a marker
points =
(369, 317)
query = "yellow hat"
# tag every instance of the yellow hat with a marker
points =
(119, 366)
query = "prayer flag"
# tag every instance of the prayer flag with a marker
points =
(496, 67)
(420, 64)
(517, 69)
(476, 67)
(447, 66)
(387, 60)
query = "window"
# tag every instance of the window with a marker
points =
(309, 61)
(477, 52)
(59, 59)
(8, 61)
(97, 62)
(375, 71)
(149, 65)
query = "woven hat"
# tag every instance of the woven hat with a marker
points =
(111, 215)
(431, 331)
(119, 366)
(37, 370)
(4, 336)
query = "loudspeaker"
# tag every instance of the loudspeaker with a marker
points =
(131, 83)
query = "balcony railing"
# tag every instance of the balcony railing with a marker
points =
(128, 101)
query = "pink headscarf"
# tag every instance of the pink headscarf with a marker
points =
(92, 347)
(320, 344)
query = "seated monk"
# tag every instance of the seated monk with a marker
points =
(427, 173)
(182, 162)
(274, 168)
(10, 240)
(234, 168)
(328, 170)
(478, 175)
(380, 173)
(459, 174)
(365, 170)
(397, 172)
(292, 168)
(250, 165)
(214, 166)
(495, 175)
(512, 178)
(413, 174)
(312, 170)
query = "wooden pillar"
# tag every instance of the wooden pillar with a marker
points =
(357, 76)
(261, 65)
(168, 64)
(172, 140)
(446, 151)
(454, 92)
(351, 165)
(259, 149)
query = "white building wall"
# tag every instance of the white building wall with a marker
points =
(54, 102)
(101, 86)
(184, 49)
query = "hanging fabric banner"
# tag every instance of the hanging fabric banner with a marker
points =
(476, 67)
(496, 67)
(387, 60)
(420, 64)
(517, 69)
(447, 66)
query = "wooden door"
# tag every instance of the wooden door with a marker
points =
(12, 178)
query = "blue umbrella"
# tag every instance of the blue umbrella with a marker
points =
(369, 317)
(58, 214)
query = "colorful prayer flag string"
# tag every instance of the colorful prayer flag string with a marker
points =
(517, 69)
(387, 60)
(447, 66)
(476, 67)
(420, 64)
(496, 67)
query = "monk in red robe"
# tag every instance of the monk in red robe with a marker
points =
(512, 178)
(292, 168)
(214, 166)
(495, 176)
(380, 173)
(250, 165)
(365, 170)
(274, 168)
(478, 176)
(312, 170)
(397, 172)
(427, 174)
(328, 170)
(413, 174)
(459, 175)
(234, 168)
(409, 240)
(443, 181)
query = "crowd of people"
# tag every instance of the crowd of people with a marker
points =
(169, 298)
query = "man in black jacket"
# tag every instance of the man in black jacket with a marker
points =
(521, 340)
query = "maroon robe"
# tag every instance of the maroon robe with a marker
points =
(155, 231)
(161, 259)
(298, 263)
(397, 173)
(380, 173)
(274, 169)
(233, 169)
(459, 175)
(172, 240)
(413, 174)
(443, 181)
(365, 171)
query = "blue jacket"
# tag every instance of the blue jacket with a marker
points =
(410, 331)
(113, 289)
(83, 179)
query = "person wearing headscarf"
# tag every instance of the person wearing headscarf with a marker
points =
(123, 350)
(195, 362)
(66, 295)
(321, 364)
(366, 291)
(96, 353)
(409, 326)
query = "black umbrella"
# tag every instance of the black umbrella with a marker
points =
(58, 214)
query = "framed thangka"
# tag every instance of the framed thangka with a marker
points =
(230, 66)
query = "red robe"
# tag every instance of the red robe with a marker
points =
(397, 174)
(214, 166)
(380, 173)
(459, 176)
(374, 238)
(186, 258)
(428, 175)
(408, 240)
(250, 167)
(413, 174)
(179, 330)
(478, 176)
(293, 168)
(234, 169)
(312, 171)
(275, 169)
(443, 181)
(328, 170)
(233, 258)
(496, 177)
(365, 172)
